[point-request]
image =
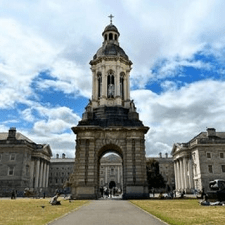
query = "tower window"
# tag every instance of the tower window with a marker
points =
(110, 84)
(99, 85)
(116, 37)
(110, 36)
(105, 37)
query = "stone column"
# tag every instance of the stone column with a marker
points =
(94, 86)
(186, 185)
(47, 175)
(104, 82)
(191, 182)
(181, 173)
(118, 174)
(44, 174)
(178, 174)
(31, 173)
(175, 172)
(128, 84)
(37, 173)
(41, 175)
(106, 174)
(117, 83)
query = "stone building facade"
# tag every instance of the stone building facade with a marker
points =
(23, 163)
(199, 161)
(110, 124)
(111, 173)
(59, 172)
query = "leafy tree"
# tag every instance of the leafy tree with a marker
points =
(154, 178)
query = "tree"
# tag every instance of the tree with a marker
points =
(154, 178)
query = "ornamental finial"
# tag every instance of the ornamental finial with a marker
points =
(111, 16)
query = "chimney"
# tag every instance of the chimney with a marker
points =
(166, 155)
(12, 134)
(160, 155)
(63, 156)
(57, 156)
(211, 132)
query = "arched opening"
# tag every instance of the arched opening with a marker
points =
(115, 37)
(99, 77)
(110, 84)
(110, 173)
(105, 37)
(110, 36)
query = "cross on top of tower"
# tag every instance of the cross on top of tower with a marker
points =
(110, 16)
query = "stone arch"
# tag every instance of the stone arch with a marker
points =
(109, 145)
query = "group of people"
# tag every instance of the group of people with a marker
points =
(105, 192)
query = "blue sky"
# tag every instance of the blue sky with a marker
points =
(177, 81)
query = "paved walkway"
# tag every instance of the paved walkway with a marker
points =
(110, 212)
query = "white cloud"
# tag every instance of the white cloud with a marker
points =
(179, 114)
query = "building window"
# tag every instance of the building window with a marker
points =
(101, 172)
(12, 156)
(11, 170)
(221, 155)
(0, 156)
(110, 36)
(62, 180)
(210, 168)
(112, 171)
(208, 155)
(56, 180)
(223, 168)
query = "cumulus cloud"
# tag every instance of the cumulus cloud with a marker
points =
(62, 38)
(179, 114)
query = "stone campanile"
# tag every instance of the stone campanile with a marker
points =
(110, 123)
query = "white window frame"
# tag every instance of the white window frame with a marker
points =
(207, 155)
(222, 169)
(9, 169)
(13, 154)
(212, 168)
(220, 155)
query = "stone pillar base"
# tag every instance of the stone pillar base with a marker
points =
(136, 192)
(83, 193)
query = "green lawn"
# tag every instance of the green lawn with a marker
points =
(29, 211)
(183, 212)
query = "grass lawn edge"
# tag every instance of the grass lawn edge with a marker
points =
(155, 216)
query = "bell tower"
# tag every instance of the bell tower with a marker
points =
(110, 72)
(110, 123)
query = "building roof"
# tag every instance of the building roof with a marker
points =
(110, 27)
(201, 138)
(19, 136)
(61, 160)
(110, 49)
